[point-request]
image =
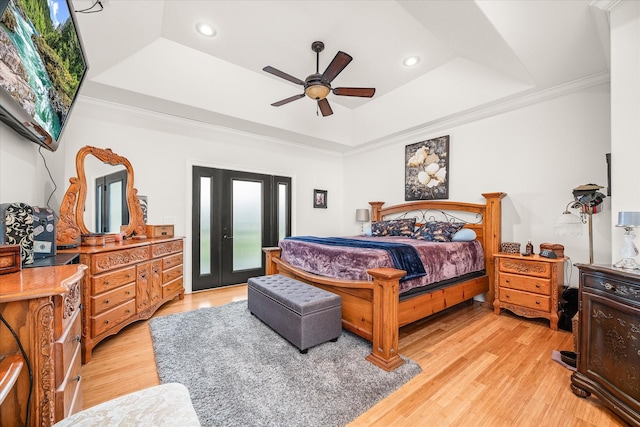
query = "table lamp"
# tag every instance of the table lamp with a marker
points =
(628, 221)
(362, 216)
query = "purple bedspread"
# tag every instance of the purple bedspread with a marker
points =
(442, 261)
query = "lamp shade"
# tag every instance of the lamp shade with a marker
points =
(568, 224)
(362, 215)
(628, 219)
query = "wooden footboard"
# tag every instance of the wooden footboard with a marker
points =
(369, 309)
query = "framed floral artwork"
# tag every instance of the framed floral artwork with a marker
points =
(427, 169)
(320, 199)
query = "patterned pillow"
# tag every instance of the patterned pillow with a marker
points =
(437, 231)
(396, 227)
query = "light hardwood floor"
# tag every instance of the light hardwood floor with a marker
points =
(479, 369)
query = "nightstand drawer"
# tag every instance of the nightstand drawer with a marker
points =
(525, 299)
(524, 283)
(525, 266)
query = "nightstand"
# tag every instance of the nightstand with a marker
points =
(529, 286)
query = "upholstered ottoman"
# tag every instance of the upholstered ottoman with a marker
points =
(303, 314)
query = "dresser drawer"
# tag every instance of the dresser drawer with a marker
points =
(172, 274)
(525, 299)
(112, 318)
(113, 298)
(611, 286)
(115, 259)
(69, 392)
(525, 283)
(171, 261)
(106, 282)
(523, 266)
(171, 288)
(65, 347)
(162, 249)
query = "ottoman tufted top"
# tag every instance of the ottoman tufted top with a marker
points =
(300, 297)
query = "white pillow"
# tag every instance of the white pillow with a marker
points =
(464, 235)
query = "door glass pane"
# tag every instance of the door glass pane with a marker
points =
(282, 211)
(247, 224)
(99, 208)
(205, 225)
(115, 206)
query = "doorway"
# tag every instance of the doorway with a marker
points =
(234, 215)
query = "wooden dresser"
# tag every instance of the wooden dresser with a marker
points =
(529, 286)
(42, 305)
(608, 363)
(126, 282)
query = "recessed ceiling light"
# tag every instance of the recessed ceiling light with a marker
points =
(410, 61)
(206, 29)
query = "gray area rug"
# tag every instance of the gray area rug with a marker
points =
(239, 372)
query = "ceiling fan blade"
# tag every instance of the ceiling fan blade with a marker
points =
(282, 74)
(325, 108)
(363, 92)
(288, 100)
(338, 63)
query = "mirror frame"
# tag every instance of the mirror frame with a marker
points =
(71, 224)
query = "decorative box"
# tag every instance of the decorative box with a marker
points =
(160, 230)
(510, 247)
(92, 239)
(10, 259)
(555, 247)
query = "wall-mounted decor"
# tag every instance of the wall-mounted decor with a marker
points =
(144, 204)
(426, 169)
(320, 199)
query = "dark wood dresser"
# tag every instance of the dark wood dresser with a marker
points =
(608, 347)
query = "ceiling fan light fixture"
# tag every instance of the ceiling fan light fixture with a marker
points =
(206, 29)
(410, 61)
(317, 91)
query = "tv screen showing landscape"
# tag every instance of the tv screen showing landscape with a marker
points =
(42, 66)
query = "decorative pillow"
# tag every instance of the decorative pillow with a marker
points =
(437, 231)
(395, 227)
(464, 235)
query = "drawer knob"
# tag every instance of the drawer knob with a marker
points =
(538, 302)
(106, 301)
(128, 292)
(128, 311)
(77, 378)
(608, 286)
(508, 281)
(128, 275)
(77, 338)
(508, 296)
(106, 322)
(106, 282)
(538, 285)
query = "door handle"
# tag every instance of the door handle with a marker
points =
(227, 237)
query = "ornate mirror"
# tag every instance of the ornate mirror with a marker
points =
(72, 219)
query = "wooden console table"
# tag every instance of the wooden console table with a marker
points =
(42, 306)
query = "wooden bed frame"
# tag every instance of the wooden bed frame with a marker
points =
(373, 310)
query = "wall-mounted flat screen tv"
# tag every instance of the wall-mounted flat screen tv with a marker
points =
(42, 66)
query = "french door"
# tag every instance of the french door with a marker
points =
(235, 214)
(112, 210)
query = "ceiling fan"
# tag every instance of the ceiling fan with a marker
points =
(317, 86)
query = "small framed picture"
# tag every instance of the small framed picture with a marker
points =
(320, 199)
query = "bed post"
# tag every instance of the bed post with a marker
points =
(492, 223)
(385, 327)
(270, 254)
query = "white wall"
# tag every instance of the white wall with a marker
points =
(625, 111)
(163, 149)
(23, 176)
(536, 154)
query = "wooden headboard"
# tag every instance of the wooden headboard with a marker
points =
(484, 219)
